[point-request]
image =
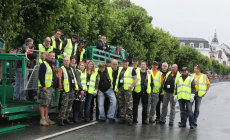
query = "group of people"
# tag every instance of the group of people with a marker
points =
(123, 86)
(115, 90)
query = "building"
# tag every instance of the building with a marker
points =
(214, 50)
(200, 44)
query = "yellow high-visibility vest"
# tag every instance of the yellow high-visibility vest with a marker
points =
(128, 79)
(66, 80)
(92, 83)
(83, 79)
(184, 88)
(48, 76)
(156, 81)
(69, 48)
(43, 49)
(202, 87)
(54, 46)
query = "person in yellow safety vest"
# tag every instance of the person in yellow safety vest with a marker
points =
(164, 71)
(105, 87)
(80, 51)
(79, 100)
(184, 93)
(73, 63)
(168, 90)
(91, 79)
(45, 47)
(56, 42)
(134, 93)
(43, 57)
(47, 83)
(154, 96)
(67, 86)
(142, 91)
(127, 79)
(69, 46)
(202, 85)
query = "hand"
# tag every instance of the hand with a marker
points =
(44, 88)
(175, 98)
(192, 98)
(130, 89)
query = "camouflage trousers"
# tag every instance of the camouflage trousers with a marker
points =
(66, 105)
(47, 97)
(125, 104)
(152, 103)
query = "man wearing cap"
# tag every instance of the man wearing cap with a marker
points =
(154, 96)
(106, 88)
(184, 93)
(125, 83)
(168, 89)
(69, 46)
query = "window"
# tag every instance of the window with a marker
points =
(201, 45)
(192, 44)
(182, 44)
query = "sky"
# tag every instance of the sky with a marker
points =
(191, 18)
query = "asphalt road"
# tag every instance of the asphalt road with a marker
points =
(213, 124)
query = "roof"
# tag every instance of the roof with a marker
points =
(190, 39)
(215, 38)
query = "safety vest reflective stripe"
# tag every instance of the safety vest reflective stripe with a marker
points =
(202, 86)
(48, 76)
(43, 49)
(83, 79)
(69, 48)
(137, 87)
(184, 92)
(82, 54)
(157, 81)
(66, 80)
(92, 83)
(128, 80)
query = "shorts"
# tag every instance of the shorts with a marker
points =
(47, 97)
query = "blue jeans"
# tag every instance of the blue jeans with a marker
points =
(20, 83)
(186, 109)
(112, 106)
(197, 100)
(88, 101)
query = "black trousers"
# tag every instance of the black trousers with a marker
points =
(158, 107)
(143, 96)
(92, 107)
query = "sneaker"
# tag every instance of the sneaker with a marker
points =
(151, 121)
(181, 125)
(192, 126)
(43, 122)
(170, 123)
(49, 121)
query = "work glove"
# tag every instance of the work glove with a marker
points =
(175, 98)
(192, 98)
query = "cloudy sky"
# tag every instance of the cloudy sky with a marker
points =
(191, 18)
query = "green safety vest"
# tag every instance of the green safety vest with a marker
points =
(166, 77)
(128, 80)
(82, 54)
(156, 81)
(48, 76)
(66, 80)
(202, 87)
(184, 88)
(92, 83)
(83, 79)
(43, 49)
(69, 48)
(54, 46)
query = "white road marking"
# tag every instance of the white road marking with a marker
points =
(65, 131)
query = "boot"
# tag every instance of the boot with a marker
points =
(60, 123)
(49, 121)
(67, 121)
(43, 122)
